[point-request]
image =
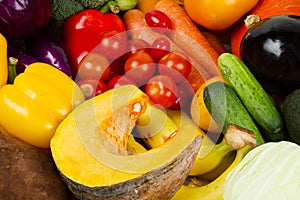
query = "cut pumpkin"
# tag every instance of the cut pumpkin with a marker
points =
(94, 170)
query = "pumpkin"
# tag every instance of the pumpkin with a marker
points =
(89, 150)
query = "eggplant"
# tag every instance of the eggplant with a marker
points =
(22, 18)
(271, 51)
(24, 58)
(46, 48)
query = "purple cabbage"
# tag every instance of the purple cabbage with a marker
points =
(22, 18)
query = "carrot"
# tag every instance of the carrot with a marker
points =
(214, 41)
(137, 27)
(195, 79)
(187, 35)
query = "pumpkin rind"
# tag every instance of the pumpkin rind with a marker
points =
(92, 171)
(161, 183)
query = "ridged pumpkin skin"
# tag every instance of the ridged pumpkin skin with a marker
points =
(161, 183)
(94, 170)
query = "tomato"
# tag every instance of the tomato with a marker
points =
(159, 20)
(140, 67)
(91, 87)
(119, 80)
(159, 48)
(175, 65)
(217, 15)
(112, 44)
(94, 66)
(135, 45)
(117, 66)
(162, 90)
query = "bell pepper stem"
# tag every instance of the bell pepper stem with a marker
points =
(12, 73)
(110, 6)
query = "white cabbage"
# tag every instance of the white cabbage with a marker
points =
(269, 172)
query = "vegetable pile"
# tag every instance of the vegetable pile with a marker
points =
(149, 99)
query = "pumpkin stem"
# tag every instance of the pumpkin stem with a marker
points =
(251, 20)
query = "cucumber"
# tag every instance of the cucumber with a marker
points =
(226, 108)
(282, 135)
(259, 104)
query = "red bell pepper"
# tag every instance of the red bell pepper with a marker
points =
(84, 31)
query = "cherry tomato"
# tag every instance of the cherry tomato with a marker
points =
(159, 48)
(112, 45)
(135, 45)
(140, 67)
(117, 66)
(119, 80)
(94, 66)
(158, 19)
(175, 65)
(162, 90)
(91, 87)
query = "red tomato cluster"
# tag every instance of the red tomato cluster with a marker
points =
(108, 59)
(117, 61)
(160, 73)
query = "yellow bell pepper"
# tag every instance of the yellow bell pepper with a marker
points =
(3, 60)
(35, 104)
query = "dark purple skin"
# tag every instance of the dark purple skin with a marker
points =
(22, 18)
(45, 48)
(24, 58)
